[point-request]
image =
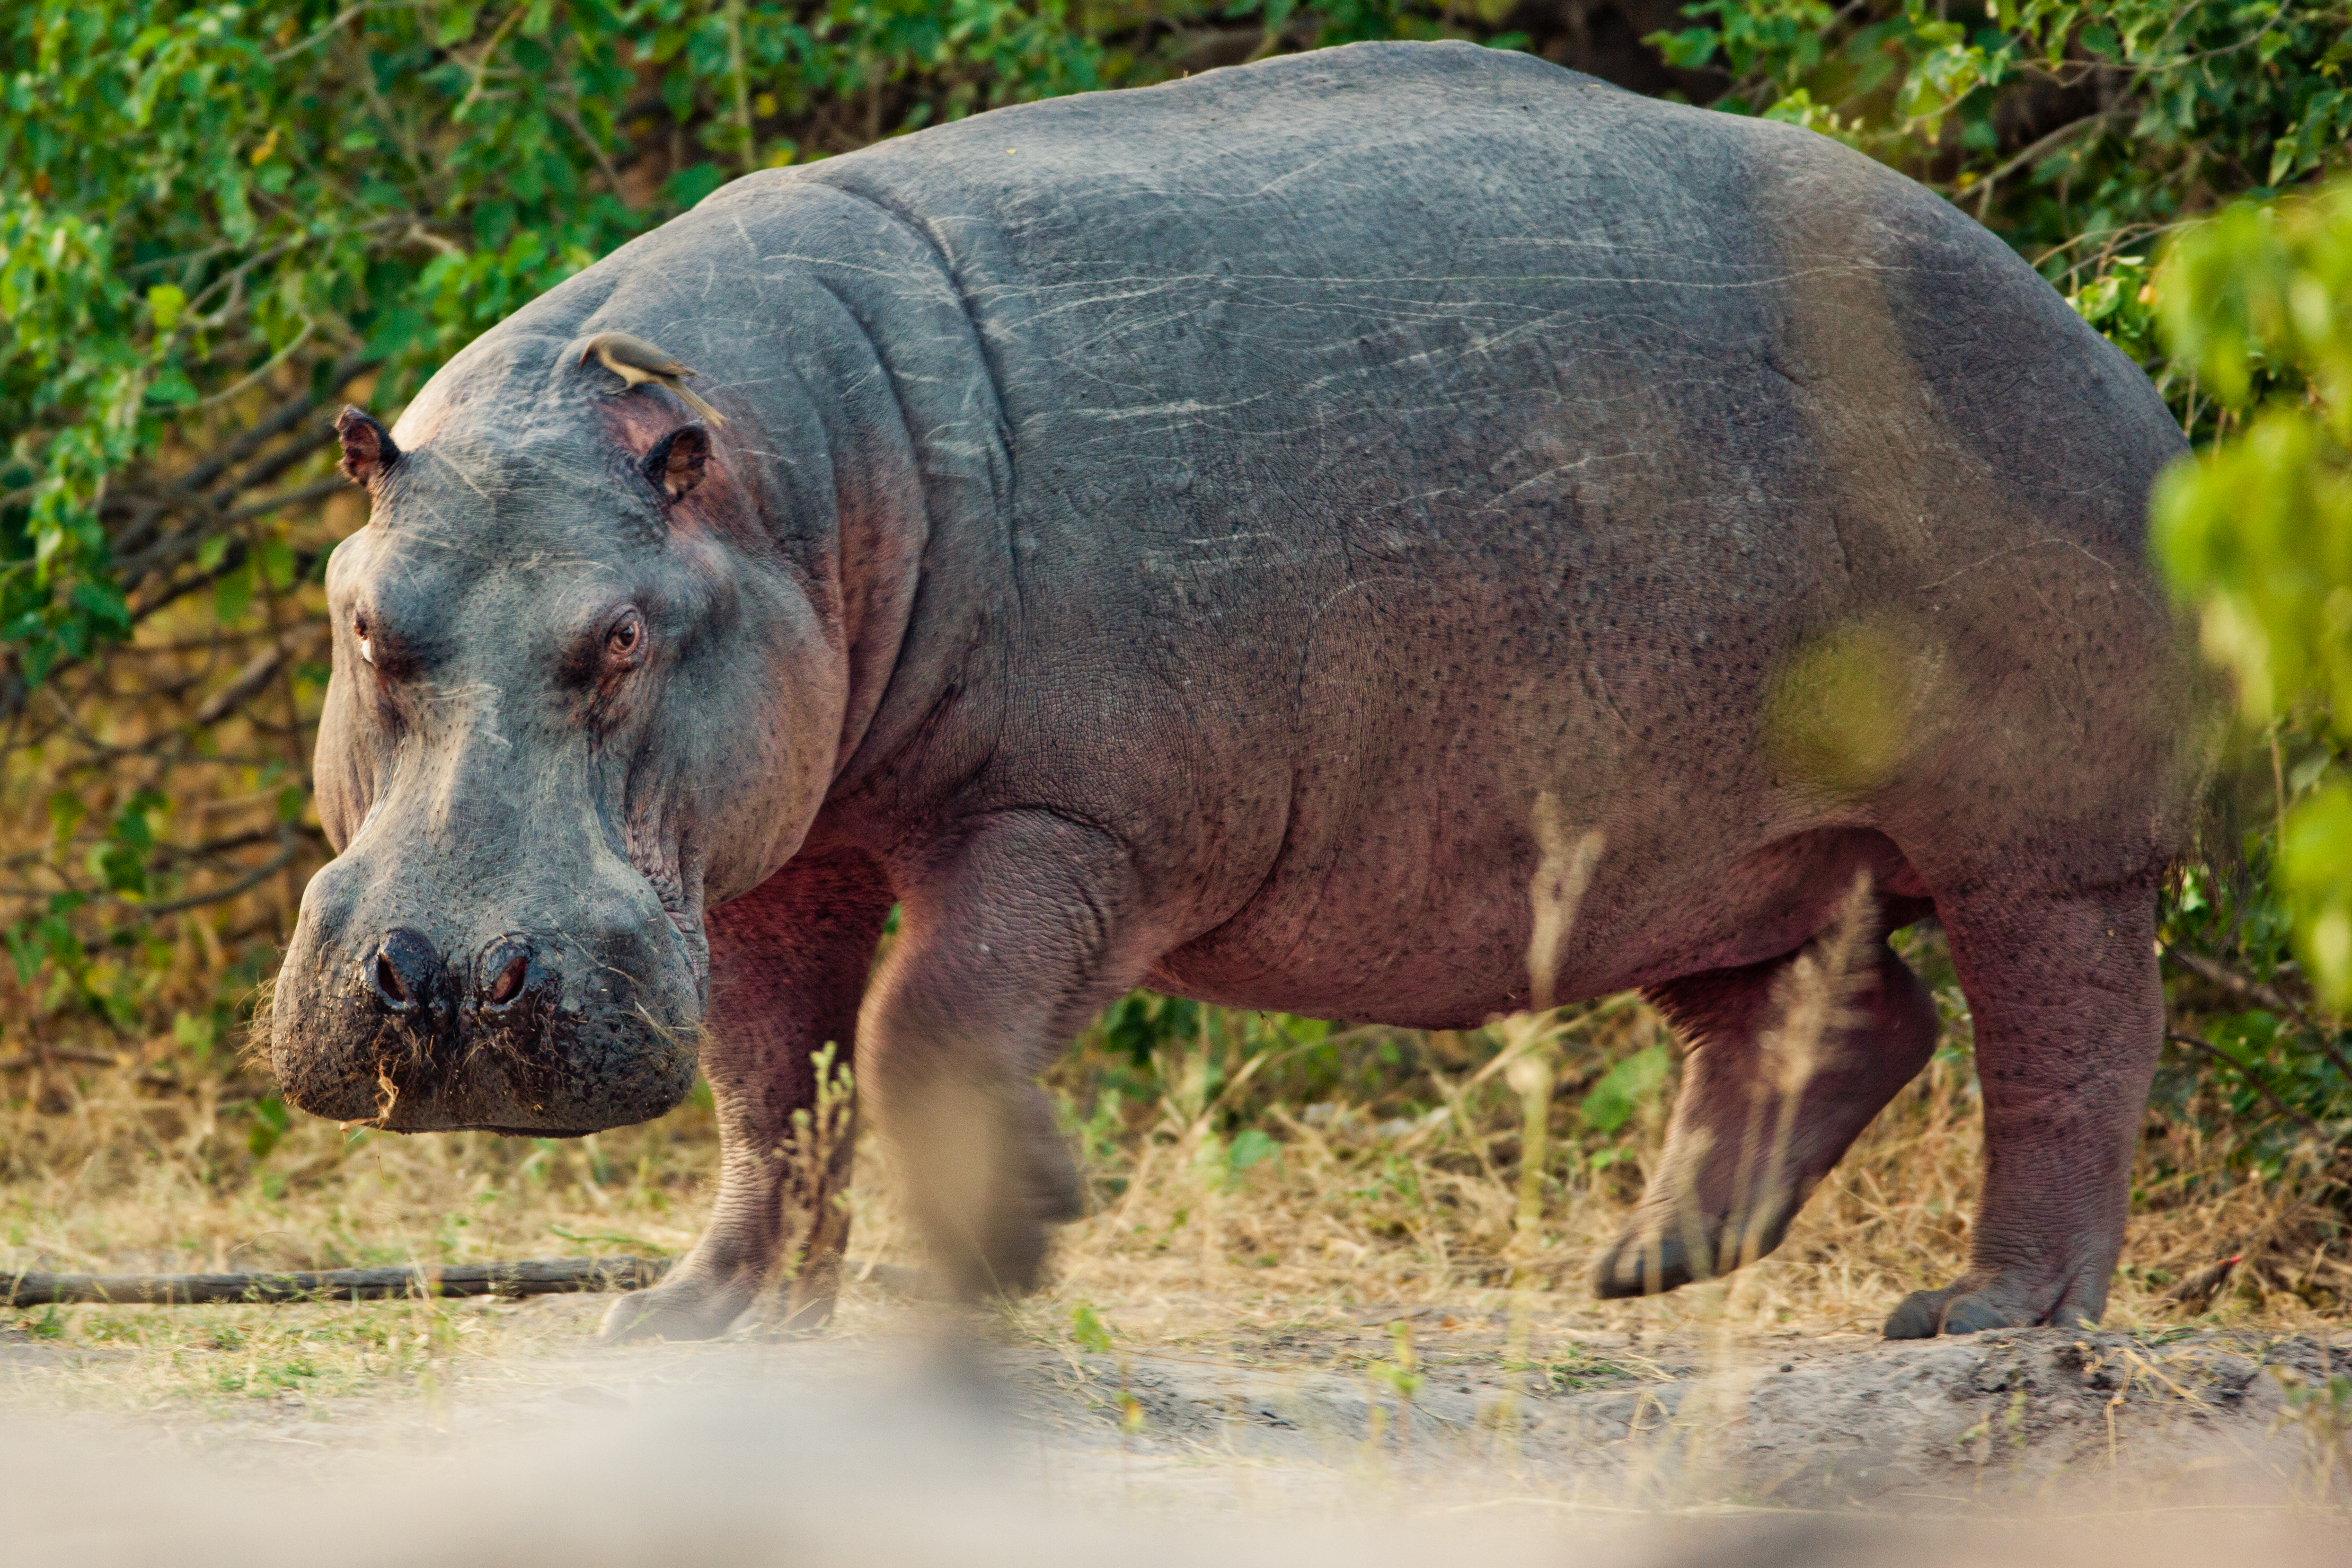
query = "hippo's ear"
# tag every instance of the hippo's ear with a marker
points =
(368, 450)
(676, 463)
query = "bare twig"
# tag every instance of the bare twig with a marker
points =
(256, 377)
(51, 1056)
(321, 35)
(292, 844)
(2206, 968)
(2253, 1080)
(538, 1277)
(1983, 190)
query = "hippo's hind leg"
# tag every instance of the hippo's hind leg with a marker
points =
(2069, 1015)
(1006, 950)
(789, 964)
(1788, 1060)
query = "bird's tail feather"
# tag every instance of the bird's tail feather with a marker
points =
(694, 401)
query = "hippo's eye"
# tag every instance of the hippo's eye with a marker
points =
(626, 640)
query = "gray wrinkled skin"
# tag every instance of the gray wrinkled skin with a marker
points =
(1175, 537)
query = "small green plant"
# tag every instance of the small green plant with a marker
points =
(1087, 1327)
(1094, 1336)
(2320, 1410)
(1402, 1376)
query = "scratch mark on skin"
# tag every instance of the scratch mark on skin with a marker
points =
(2075, 545)
(1188, 407)
(1550, 474)
(1423, 496)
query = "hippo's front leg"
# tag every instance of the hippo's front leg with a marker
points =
(2069, 1016)
(1006, 947)
(788, 966)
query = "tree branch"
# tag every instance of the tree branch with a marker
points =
(538, 1277)
(2252, 1080)
(2210, 969)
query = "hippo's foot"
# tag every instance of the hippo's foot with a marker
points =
(677, 1309)
(682, 1308)
(1662, 1253)
(2005, 1302)
(1722, 1197)
(1643, 1264)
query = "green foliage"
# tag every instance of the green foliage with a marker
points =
(198, 198)
(2257, 533)
(2076, 129)
(1086, 1327)
(1611, 1103)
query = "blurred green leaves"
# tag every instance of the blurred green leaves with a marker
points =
(2256, 533)
(2259, 300)
(1610, 1103)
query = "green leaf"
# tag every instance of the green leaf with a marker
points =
(1691, 49)
(278, 562)
(233, 593)
(271, 1121)
(66, 812)
(2315, 873)
(105, 604)
(457, 25)
(164, 303)
(1611, 1104)
(194, 1033)
(1087, 1327)
(1249, 1147)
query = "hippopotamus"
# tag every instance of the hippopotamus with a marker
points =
(1264, 538)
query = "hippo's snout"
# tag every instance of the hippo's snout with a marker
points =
(586, 1020)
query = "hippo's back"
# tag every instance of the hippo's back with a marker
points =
(1503, 262)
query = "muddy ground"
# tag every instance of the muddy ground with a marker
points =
(1388, 1419)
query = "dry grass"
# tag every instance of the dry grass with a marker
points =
(1345, 1214)
(1360, 1194)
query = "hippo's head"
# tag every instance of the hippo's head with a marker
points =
(571, 692)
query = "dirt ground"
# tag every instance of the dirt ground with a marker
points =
(1262, 1415)
(1297, 1356)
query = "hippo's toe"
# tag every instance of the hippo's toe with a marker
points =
(675, 1309)
(1960, 1309)
(1920, 1314)
(1641, 1265)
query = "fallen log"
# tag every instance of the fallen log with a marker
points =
(544, 1277)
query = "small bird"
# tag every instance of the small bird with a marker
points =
(2198, 1288)
(636, 361)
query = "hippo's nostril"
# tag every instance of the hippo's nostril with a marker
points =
(508, 974)
(402, 971)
